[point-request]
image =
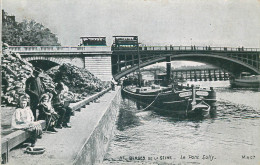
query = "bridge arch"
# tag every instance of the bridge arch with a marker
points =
(47, 62)
(231, 65)
(43, 64)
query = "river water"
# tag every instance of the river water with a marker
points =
(230, 137)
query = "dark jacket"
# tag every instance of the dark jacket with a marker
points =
(34, 87)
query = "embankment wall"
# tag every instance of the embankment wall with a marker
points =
(94, 149)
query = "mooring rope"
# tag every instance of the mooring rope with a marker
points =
(151, 102)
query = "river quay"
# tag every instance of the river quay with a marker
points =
(85, 143)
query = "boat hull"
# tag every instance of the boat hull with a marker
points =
(176, 102)
(246, 82)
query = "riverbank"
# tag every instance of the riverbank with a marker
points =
(85, 143)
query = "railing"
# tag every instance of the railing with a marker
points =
(108, 48)
(200, 48)
(58, 48)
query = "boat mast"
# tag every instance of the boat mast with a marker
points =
(139, 71)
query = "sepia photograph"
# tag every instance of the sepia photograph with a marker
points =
(130, 82)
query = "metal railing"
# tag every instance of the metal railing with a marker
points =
(108, 48)
(58, 48)
(200, 48)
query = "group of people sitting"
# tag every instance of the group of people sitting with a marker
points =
(51, 106)
(55, 111)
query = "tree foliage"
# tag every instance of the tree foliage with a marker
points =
(26, 33)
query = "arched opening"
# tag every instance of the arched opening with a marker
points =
(233, 66)
(43, 64)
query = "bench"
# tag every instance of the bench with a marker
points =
(10, 141)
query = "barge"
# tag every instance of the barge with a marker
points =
(188, 101)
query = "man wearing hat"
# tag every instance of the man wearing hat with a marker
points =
(34, 88)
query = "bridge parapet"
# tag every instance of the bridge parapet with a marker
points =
(108, 48)
(59, 48)
(200, 48)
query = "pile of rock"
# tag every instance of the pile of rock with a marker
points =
(15, 72)
(47, 81)
(79, 80)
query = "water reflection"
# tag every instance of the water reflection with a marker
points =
(234, 128)
(127, 117)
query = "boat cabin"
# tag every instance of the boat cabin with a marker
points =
(249, 76)
(161, 76)
(125, 43)
(244, 74)
(93, 41)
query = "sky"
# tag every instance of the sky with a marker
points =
(229, 23)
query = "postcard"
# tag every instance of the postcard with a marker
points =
(130, 82)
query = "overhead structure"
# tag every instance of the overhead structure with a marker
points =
(93, 41)
(125, 43)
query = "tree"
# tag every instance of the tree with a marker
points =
(26, 33)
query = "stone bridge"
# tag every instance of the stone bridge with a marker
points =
(97, 59)
(104, 63)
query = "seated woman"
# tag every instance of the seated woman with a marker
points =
(46, 112)
(23, 119)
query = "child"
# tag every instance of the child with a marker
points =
(23, 119)
(46, 112)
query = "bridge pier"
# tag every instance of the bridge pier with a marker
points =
(195, 75)
(210, 77)
(205, 76)
(215, 76)
(225, 76)
(168, 67)
(200, 76)
(220, 75)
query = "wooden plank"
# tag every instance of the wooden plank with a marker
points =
(82, 103)
(13, 139)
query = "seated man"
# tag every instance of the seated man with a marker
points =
(62, 107)
(23, 119)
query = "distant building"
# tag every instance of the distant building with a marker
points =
(6, 18)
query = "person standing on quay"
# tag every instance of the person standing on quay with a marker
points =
(34, 88)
